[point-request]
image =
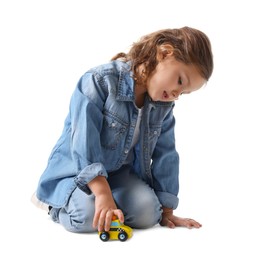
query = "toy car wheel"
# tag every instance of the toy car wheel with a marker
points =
(104, 236)
(122, 236)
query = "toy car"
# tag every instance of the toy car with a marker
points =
(117, 231)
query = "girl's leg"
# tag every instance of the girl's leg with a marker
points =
(135, 198)
(77, 215)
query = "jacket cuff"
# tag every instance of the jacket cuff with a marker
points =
(87, 174)
(167, 200)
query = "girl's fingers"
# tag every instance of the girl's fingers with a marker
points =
(108, 220)
(99, 220)
(170, 224)
(182, 222)
(119, 214)
(95, 222)
(103, 220)
(189, 223)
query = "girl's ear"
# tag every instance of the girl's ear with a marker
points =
(164, 51)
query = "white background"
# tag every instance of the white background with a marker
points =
(45, 46)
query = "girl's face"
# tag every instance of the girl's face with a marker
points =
(172, 78)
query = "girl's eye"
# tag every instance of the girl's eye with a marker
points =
(180, 81)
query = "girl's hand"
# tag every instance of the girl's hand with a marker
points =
(105, 206)
(172, 221)
(105, 209)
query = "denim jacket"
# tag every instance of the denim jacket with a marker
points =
(97, 137)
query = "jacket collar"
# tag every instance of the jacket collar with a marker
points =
(125, 90)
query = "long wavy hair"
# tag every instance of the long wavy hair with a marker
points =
(190, 46)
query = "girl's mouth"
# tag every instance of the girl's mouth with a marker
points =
(165, 95)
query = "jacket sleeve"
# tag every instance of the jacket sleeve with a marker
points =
(165, 165)
(86, 122)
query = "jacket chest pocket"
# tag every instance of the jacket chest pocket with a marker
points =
(154, 133)
(113, 131)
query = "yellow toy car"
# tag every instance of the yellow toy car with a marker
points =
(117, 231)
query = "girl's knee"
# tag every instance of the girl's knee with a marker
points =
(76, 223)
(77, 215)
(80, 228)
(145, 213)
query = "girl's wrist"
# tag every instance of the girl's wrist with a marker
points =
(99, 186)
(167, 210)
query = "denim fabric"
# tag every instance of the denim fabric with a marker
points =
(97, 137)
(133, 196)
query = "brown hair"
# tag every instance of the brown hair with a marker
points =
(190, 46)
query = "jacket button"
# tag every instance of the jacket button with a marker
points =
(126, 151)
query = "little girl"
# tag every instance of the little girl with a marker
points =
(116, 154)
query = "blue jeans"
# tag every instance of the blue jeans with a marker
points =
(133, 196)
